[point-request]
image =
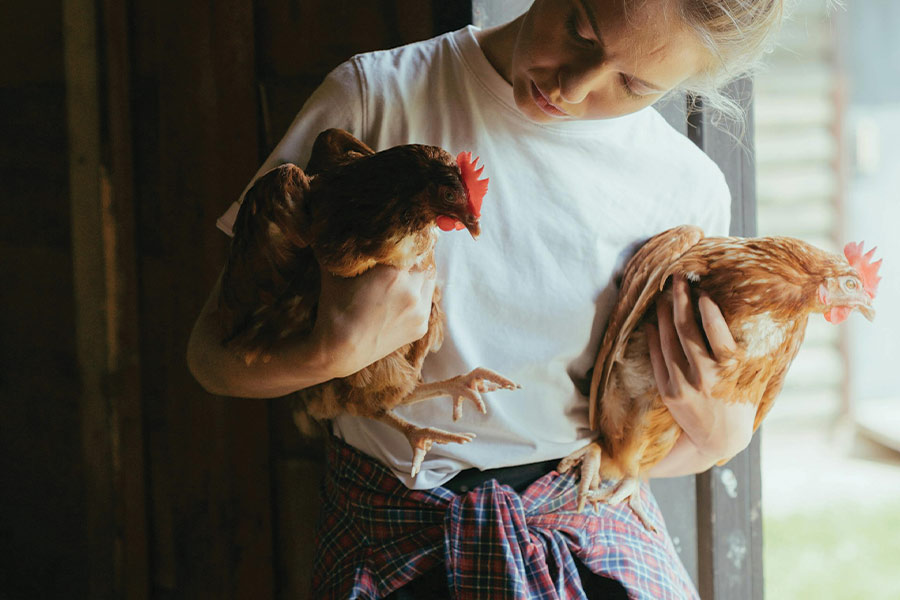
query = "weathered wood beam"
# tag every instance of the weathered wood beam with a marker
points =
(729, 506)
(104, 278)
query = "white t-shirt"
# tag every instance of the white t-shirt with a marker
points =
(567, 204)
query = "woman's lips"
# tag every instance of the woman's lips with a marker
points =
(544, 103)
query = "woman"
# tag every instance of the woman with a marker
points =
(557, 105)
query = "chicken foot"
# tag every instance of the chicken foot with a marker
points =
(421, 438)
(589, 458)
(629, 488)
(461, 388)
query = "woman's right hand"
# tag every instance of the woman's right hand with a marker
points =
(362, 319)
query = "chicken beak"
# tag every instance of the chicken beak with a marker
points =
(471, 223)
(867, 311)
(863, 303)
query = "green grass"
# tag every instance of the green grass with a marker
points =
(846, 553)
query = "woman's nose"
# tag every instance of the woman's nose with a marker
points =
(578, 80)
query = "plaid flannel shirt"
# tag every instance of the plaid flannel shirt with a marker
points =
(375, 535)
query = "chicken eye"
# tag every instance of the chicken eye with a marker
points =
(448, 196)
(851, 284)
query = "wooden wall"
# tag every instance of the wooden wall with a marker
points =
(42, 537)
(128, 127)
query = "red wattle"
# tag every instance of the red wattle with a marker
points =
(448, 224)
(838, 314)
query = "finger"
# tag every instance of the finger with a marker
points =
(721, 342)
(692, 342)
(672, 352)
(660, 373)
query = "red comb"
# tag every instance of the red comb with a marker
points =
(477, 188)
(868, 271)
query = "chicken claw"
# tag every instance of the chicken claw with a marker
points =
(422, 438)
(589, 458)
(472, 385)
(627, 489)
(463, 387)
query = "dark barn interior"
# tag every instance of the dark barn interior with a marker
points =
(128, 128)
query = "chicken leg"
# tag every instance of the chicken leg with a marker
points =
(628, 488)
(461, 388)
(589, 459)
(421, 438)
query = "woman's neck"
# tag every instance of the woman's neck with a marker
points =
(498, 44)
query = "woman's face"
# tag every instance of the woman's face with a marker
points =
(587, 59)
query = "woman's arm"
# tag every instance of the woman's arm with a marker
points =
(686, 458)
(359, 321)
(686, 372)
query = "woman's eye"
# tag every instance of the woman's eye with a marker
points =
(626, 85)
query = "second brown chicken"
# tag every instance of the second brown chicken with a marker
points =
(766, 288)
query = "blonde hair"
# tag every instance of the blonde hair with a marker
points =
(737, 34)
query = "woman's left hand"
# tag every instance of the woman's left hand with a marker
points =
(686, 374)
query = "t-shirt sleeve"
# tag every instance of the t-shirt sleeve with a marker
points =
(337, 102)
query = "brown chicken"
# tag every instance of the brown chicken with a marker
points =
(351, 210)
(766, 289)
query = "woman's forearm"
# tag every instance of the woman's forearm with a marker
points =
(358, 320)
(684, 459)
(294, 364)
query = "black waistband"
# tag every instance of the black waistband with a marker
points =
(518, 477)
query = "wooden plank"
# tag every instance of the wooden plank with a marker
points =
(729, 497)
(83, 121)
(297, 504)
(123, 331)
(42, 477)
(677, 496)
(106, 301)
